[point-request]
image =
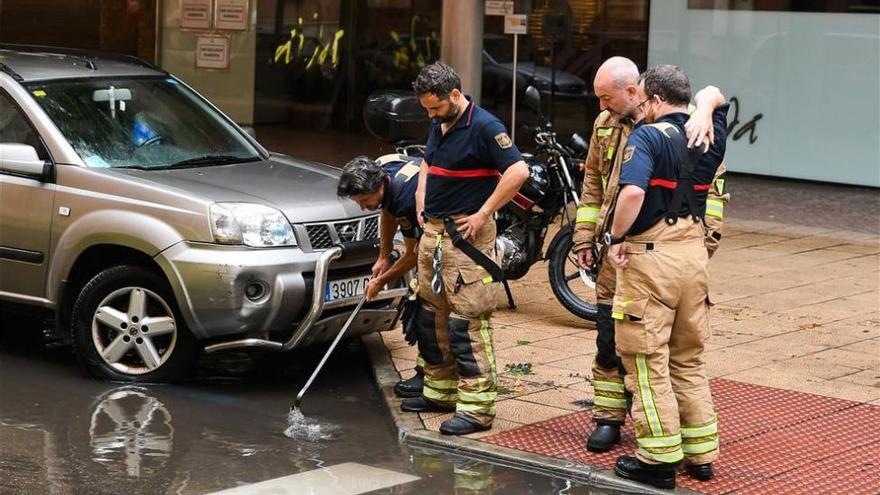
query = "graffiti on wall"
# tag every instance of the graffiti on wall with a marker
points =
(747, 127)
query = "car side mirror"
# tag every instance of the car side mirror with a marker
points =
(22, 159)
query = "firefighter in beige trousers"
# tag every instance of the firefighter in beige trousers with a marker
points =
(657, 241)
(471, 168)
(616, 86)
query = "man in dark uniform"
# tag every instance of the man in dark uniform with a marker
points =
(657, 241)
(471, 168)
(388, 183)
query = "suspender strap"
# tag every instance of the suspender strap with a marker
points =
(684, 187)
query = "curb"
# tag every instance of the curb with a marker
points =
(411, 432)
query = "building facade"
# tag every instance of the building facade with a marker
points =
(802, 75)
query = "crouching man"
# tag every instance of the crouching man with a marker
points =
(389, 184)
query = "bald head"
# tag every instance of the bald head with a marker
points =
(616, 85)
(619, 71)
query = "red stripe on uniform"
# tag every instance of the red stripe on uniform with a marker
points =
(476, 172)
(671, 184)
(668, 184)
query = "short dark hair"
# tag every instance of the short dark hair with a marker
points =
(360, 176)
(668, 82)
(438, 79)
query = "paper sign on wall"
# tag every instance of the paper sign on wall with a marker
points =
(232, 15)
(196, 14)
(212, 52)
(499, 7)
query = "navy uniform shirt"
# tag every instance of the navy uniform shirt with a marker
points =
(465, 163)
(400, 194)
(650, 162)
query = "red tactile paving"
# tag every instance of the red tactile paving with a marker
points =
(772, 441)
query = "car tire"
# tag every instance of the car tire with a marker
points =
(126, 326)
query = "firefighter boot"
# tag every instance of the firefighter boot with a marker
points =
(702, 472)
(421, 404)
(461, 424)
(411, 387)
(604, 437)
(659, 475)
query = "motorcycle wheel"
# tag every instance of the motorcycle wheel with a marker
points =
(574, 295)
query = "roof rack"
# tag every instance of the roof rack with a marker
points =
(87, 55)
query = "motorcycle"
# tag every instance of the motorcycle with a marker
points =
(550, 194)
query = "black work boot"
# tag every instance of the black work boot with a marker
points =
(421, 404)
(411, 387)
(460, 424)
(702, 472)
(659, 475)
(604, 437)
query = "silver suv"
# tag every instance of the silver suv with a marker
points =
(151, 225)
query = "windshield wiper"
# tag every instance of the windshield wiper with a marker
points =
(207, 161)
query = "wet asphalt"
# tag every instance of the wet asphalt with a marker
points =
(64, 432)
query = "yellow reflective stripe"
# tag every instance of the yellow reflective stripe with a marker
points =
(610, 153)
(441, 384)
(473, 398)
(715, 208)
(617, 315)
(699, 448)
(475, 408)
(487, 280)
(608, 386)
(719, 186)
(587, 214)
(487, 345)
(420, 363)
(668, 457)
(651, 413)
(700, 431)
(436, 396)
(659, 442)
(608, 402)
(604, 131)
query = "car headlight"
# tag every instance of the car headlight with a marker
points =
(250, 224)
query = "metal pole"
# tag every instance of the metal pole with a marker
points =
(513, 97)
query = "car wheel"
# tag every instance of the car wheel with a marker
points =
(126, 327)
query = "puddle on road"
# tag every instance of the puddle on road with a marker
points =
(300, 427)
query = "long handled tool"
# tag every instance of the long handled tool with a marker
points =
(302, 392)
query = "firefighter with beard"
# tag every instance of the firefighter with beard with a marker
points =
(471, 168)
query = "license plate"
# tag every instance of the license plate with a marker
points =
(346, 287)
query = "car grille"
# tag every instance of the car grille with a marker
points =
(324, 235)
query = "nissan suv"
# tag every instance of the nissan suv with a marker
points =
(152, 226)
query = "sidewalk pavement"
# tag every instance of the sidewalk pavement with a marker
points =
(794, 362)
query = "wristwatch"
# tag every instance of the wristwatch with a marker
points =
(611, 240)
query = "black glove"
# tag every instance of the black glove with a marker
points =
(409, 318)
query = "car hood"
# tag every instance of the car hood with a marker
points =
(543, 73)
(304, 191)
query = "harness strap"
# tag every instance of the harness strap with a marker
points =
(473, 253)
(684, 187)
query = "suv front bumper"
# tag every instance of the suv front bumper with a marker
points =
(210, 284)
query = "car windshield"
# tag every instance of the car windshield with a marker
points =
(147, 123)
